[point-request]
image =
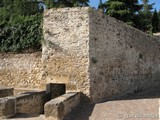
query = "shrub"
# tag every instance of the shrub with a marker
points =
(21, 33)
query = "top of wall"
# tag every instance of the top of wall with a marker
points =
(67, 9)
(121, 23)
(103, 15)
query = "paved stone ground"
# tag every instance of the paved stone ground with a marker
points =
(140, 106)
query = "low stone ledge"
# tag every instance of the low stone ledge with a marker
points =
(30, 103)
(4, 92)
(18, 91)
(7, 107)
(57, 108)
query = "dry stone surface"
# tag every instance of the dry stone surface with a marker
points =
(101, 56)
(90, 52)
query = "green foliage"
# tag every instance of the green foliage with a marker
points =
(20, 23)
(1, 3)
(122, 9)
(49, 4)
(155, 21)
(20, 26)
(147, 7)
(66, 3)
(6, 3)
(159, 20)
(131, 12)
(24, 7)
(144, 17)
(101, 6)
(21, 36)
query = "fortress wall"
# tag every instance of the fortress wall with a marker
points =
(123, 60)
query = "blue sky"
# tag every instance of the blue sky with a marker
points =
(94, 3)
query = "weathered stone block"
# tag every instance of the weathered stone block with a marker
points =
(54, 110)
(7, 107)
(56, 89)
(57, 108)
(30, 103)
(4, 92)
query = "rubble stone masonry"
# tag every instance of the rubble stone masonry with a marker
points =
(90, 52)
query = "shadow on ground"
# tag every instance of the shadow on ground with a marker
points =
(82, 112)
(136, 103)
(27, 117)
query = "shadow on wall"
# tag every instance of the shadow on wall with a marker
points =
(54, 46)
(152, 93)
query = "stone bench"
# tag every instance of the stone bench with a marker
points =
(31, 103)
(7, 107)
(28, 103)
(57, 108)
(4, 92)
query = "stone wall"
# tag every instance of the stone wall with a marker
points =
(65, 52)
(20, 70)
(123, 60)
(100, 55)
(89, 52)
